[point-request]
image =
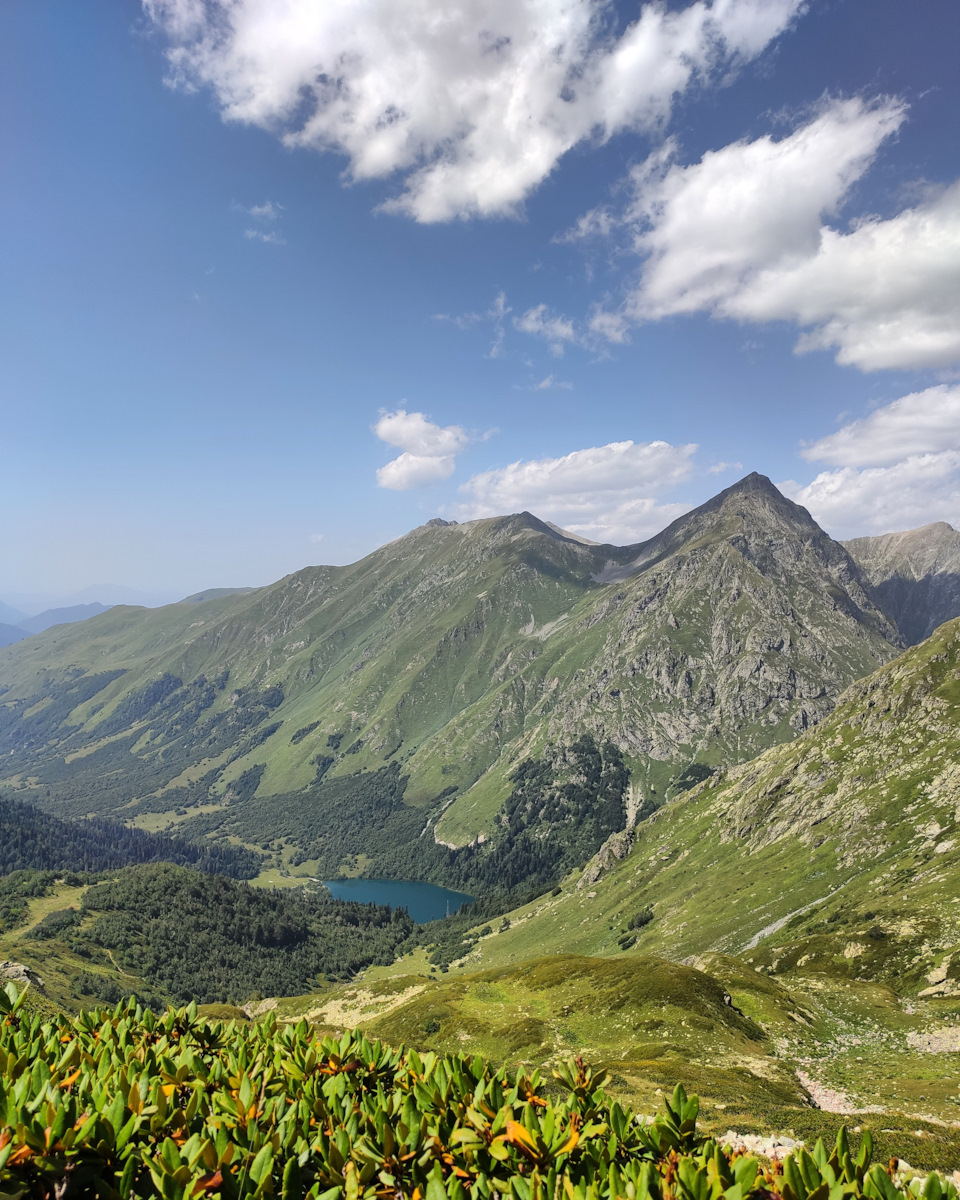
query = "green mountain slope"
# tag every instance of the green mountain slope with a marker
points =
(760, 1050)
(456, 652)
(837, 853)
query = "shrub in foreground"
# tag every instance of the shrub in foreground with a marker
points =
(130, 1104)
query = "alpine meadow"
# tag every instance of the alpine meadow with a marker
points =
(480, 600)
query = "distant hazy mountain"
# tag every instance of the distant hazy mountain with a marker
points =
(29, 604)
(915, 576)
(61, 616)
(11, 616)
(10, 634)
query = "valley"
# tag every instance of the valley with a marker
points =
(704, 791)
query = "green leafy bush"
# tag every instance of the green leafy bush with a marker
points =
(129, 1104)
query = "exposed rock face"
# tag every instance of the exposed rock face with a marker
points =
(614, 849)
(18, 973)
(739, 624)
(915, 576)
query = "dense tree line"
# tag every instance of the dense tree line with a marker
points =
(208, 938)
(561, 809)
(33, 840)
(329, 822)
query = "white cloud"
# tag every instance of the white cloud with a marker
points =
(920, 423)
(474, 103)
(742, 234)
(606, 493)
(917, 491)
(898, 468)
(268, 211)
(541, 322)
(886, 295)
(706, 229)
(597, 223)
(549, 383)
(611, 326)
(271, 238)
(429, 450)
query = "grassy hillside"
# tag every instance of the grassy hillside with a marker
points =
(754, 1047)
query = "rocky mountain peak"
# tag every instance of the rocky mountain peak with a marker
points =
(752, 513)
(915, 575)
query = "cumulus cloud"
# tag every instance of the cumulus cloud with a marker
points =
(886, 295)
(743, 234)
(605, 493)
(707, 228)
(474, 103)
(897, 468)
(428, 453)
(923, 422)
(917, 491)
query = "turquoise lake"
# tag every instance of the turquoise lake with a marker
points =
(423, 901)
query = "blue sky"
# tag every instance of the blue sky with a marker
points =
(282, 280)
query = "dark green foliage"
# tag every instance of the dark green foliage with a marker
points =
(271, 697)
(256, 739)
(137, 705)
(561, 810)
(97, 987)
(323, 763)
(643, 917)
(636, 922)
(303, 732)
(245, 786)
(208, 938)
(55, 924)
(694, 774)
(355, 814)
(31, 839)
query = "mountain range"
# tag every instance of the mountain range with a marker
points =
(425, 675)
(21, 626)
